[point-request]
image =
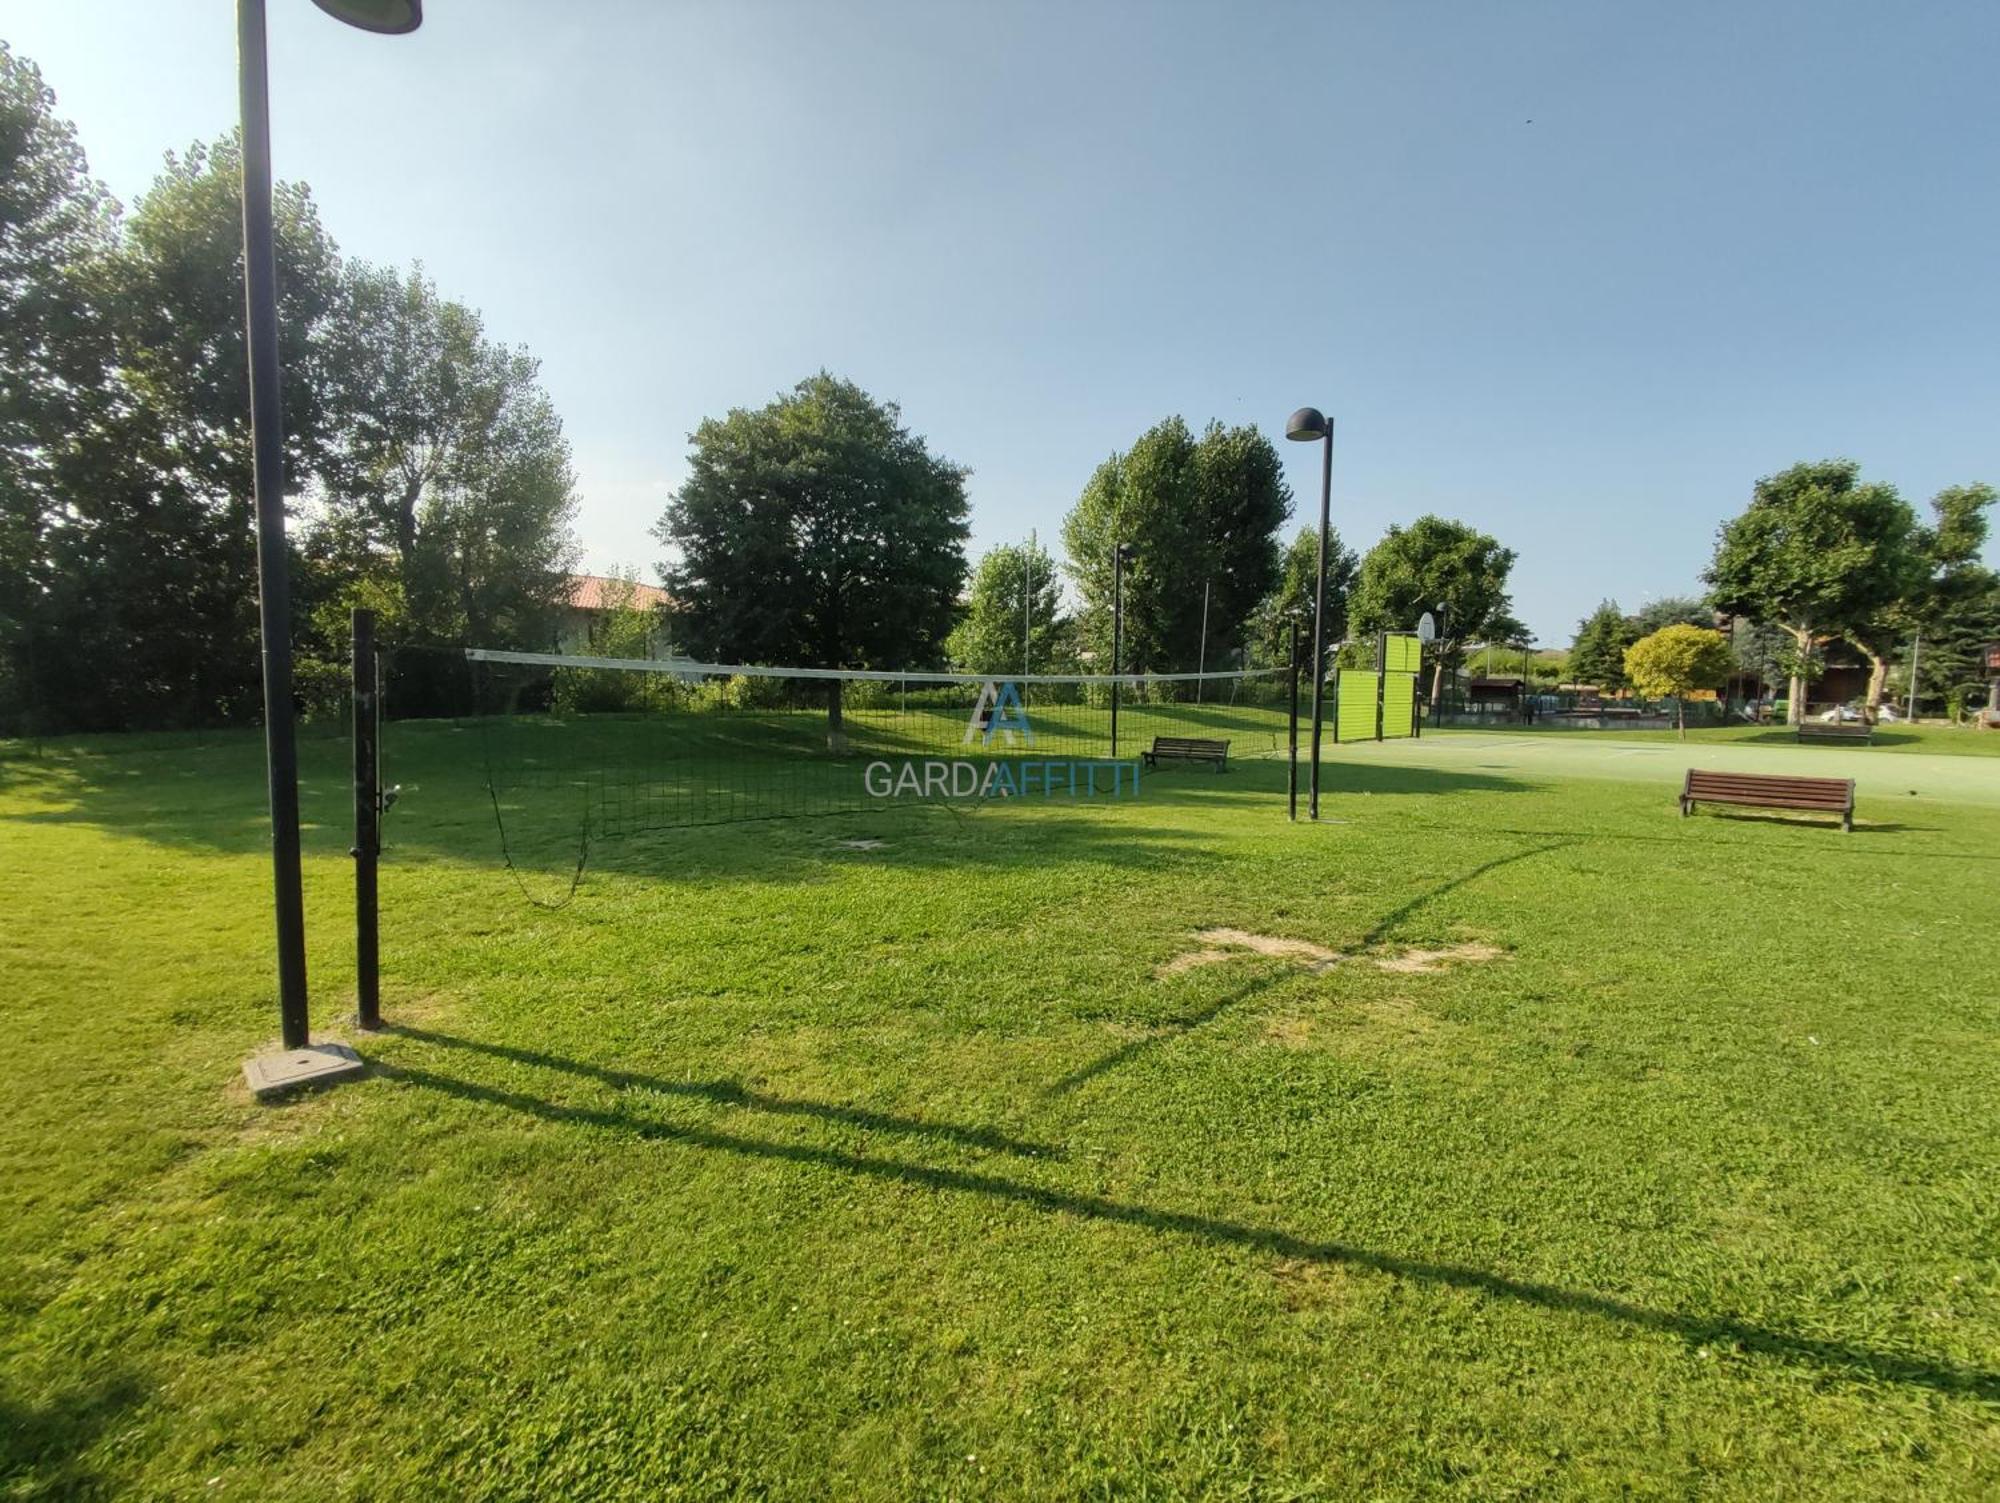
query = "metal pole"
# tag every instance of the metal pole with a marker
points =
(1027, 573)
(1319, 614)
(1438, 667)
(1916, 652)
(367, 823)
(1292, 762)
(1201, 663)
(267, 439)
(1117, 633)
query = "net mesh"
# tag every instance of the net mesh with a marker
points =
(573, 751)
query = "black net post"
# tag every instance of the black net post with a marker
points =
(1292, 755)
(367, 825)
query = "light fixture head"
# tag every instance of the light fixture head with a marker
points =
(390, 17)
(1305, 425)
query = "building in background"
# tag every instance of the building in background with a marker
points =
(600, 614)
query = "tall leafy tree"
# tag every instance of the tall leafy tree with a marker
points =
(449, 465)
(1819, 552)
(1014, 620)
(1202, 515)
(1597, 656)
(816, 530)
(57, 225)
(1271, 627)
(151, 609)
(1435, 560)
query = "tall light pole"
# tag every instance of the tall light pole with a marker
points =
(267, 447)
(1121, 555)
(1306, 425)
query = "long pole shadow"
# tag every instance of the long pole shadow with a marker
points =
(730, 1093)
(1832, 1356)
(1163, 1033)
(1386, 925)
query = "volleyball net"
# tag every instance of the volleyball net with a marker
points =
(578, 749)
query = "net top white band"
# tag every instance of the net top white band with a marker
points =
(688, 668)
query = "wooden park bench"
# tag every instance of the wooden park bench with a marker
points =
(1188, 749)
(1836, 730)
(1822, 795)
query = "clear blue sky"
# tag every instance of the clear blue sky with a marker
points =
(1735, 235)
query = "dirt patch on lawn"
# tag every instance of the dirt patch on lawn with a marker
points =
(1225, 944)
(1218, 945)
(1424, 962)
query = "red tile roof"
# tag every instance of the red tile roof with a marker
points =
(598, 592)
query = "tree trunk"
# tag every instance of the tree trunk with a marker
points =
(836, 727)
(1878, 678)
(1795, 705)
(1680, 716)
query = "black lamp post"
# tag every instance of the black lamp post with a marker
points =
(267, 442)
(1121, 555)
(1306, 425)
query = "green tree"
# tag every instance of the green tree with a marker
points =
(1202, 515)
(149, 617)
(1436, 561)
(989, 637)
(1678, 660)
(1818, 552)
(1271, 626)
(1671, 610)
(1597, 656)
(446, 460)
(57, 225)
(817, 531)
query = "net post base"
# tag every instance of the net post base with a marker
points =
(321, 1062)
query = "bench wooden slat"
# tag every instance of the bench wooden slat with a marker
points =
(1188, 749)
(1770, 791)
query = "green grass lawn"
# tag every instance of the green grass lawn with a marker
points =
(774, 1167)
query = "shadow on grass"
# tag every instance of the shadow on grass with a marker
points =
(1163, 1033)
(1837, 848)
(211, 798)
(1787, 738)
(1174, 1028)
(729, 1093)
(1387, 924)
(41, 1443)
(1832, 1356)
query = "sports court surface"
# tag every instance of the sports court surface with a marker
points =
(1503, 1134)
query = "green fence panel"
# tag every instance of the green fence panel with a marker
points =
(1402, 654)
(1399, 704)
(1354, 705)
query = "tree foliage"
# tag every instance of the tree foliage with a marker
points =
(1818, 552)
(1677, 660)
(1437, 561)
(1200, 514)
(128, 582)
(1597, 655)
(1671, 610)
(989, 636)
(816, 530)
(1271, 626)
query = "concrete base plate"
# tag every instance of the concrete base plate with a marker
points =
(321, 1062)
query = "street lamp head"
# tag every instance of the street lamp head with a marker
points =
(392, 17)
(1127, 552)
(1305, 425)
